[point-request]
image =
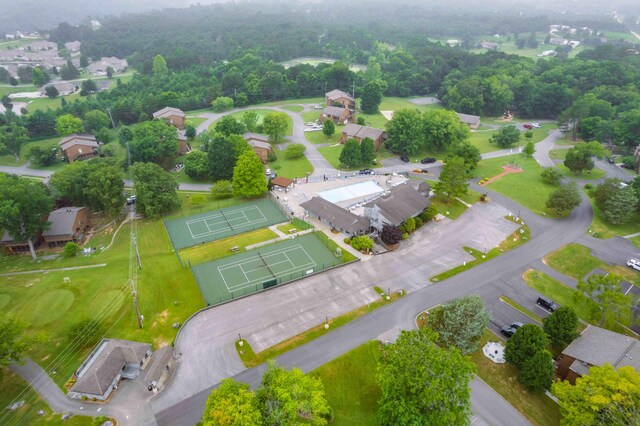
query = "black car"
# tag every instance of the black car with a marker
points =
(547, 304)
(404, 158)
(366, 172)
(428, 160)
(510, 330)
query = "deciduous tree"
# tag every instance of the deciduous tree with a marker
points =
(561, 326)
(362, 242)
(506, 137)
(391, 234)
(367, 151)
(155, 190)
(222, 103)
(613, 306)
(13, 137)
(95, 121)
(328, 127)
(536, 373)
(275, 125)
(154, 141)
(404, 132)
(195, 165)
(51, 91)
(159, 65)
(551, 175)
(294, 151)
(619, 208)
(222, 189)
(351, 155)
(442, 129)
(470, 154)
(67, 124)
(526, 342)
(228, 125)
(564, 199)
(14, 343)
(248, 176)
(453, 179)
(232, 404)
(460, 323)
(371, 96)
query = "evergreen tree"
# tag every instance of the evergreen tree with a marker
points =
(351, 155)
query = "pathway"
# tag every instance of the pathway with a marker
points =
(71, 268)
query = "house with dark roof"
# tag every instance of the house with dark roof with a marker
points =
(473, 121)
(13, 247)
(340, 98)
(100, 67)
(359, 133)
(338, 115)
(79, 147)
(183, 142)
(67, 224)
(111, 361)
(260, 145)
(173, 116)
(335, 216)
(596, 347)
(73, 46)
(158, 373)
(64, 88)
(489, 45)
(397, 205)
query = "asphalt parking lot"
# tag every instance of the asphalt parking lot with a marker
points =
(503, 314)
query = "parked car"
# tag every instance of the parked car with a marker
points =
(510, 330)
(367, 172)
(528, 126)
(131, 200)
(611, 160)
(428, 160)
(634, 263)
(536, 125)
(267, 172)
(547, 304)
(405, 158)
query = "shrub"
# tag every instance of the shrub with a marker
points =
(222, 189)
(222, 103)
(198, 199)
(362, 242)
(429, 213)
(418, 222)
(409, 225)
(347, 241)
(551, 176)
(588, 186)
(71, 249)
(405, 236)
(294, 151)
(271, 157)
(391, 234)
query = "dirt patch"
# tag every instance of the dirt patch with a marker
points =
(507, 170)
(160, 342)
(161, 318)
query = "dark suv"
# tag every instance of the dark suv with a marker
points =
(367, 172)
(547, 304)
(510, 330)
(404, 158)
(428, 160)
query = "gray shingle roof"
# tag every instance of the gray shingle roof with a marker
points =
(78, 139)
(62, 221)
(168, 112)
(597, 346)
(337, 94)
(402, 202)
(469, 119)
(159, 361)
(334, 111)
(336, 215)
(256, 136)
(357, 131)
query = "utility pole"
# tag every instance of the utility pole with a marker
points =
(113, 123)
(134, 255)
(353, 94)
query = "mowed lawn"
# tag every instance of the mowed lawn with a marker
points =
(298, 167)
(602, 229)
(10, 159)
(351, 387)
(261, 113)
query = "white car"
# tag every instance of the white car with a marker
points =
(634, 263)
(536, 125)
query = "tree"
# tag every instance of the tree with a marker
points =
(154, 141)
(423, 384)
(232, 404)
(275, 125)
(391, 234)
(228, 125)
(606, 396)
(529, 149)
(551, 176)
(429, 213)
(453, 179)
(125, 135)
(537, 372)
(95, 120)
(294, 151)
(69, 71)
(627, 128)
(24, 205)
(248, 176)
(460, 323)
(190, 132)
(43, 156)
(222, 103)
(195, 165)
(39, 77)
(159, 65)
(250, 120)
(604, 191)
(110, 72)
(526, 342)
(222, 189)
(367, 151)
(371, 96)
(564, 199)
(88, 87)
(620, 207)
(561, 326)
(442, 129)
(84, 61)
(507, 136)
(14, 343)
(13, 81)
(361, 121)
(612, 306)
(362, 243)
(71, 249)
(328, 127)
(404, 132)
(67, 124)
(13, 137)
(351, 155)
(470, 154)
(222, 154)
(155, 190)
(288, 396)
(51, 91)
(580, 157)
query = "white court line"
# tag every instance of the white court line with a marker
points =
(220, 215)
(270, 276)
(237, 262)
(226, 228)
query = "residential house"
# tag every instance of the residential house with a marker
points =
(473, 121)
(64, 88)
(111, 361)
(558, 41)
(454, 43)
(67, 224)
(282, 183)
(338, 97)
(183, 142)
(596, 347)
(260, 144)
(398, 204)
(73, 46)
(359, 133)
(173, 116)
(339, 115)
(547, 53)
(79, 147)
(100, 67)
(489, 45)
(335, 216)
(11, 247)
(41, 45)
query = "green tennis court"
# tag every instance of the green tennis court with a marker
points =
(222, 223)
(235, 276)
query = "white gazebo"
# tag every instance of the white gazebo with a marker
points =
(495, 352)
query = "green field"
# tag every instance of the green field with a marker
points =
(600, 228)
(10, 159)
(290, 168)
(261, 113)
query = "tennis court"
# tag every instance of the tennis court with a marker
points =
(222, 223)
(257, 269)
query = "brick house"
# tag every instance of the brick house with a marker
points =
(11, 247)
(358, 132)
(596, 347)
(339, 115)
(79, 147)
(473, 121)
(173, 116)
(338, 97)
(183, 143)
(64, 88)
(260, 144)
(67, 224)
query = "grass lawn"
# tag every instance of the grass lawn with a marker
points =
(17, 89)
(222, 248)
(537, 408)
(558, 154)
(261, 113)
(298, 101)
(600, 228)
(290, 168)
(293, 108)
(196, 121)
(311, 115)
(320, 138)
(635, 241)
(10, 159)
(455, 207)
(351, 387)
(287, 227)
(527, 188)
(595, 174)
(518, 307)
(332, 155)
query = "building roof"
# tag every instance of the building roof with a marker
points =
(597, 346)
(61, 221)
(334, 111)
(7, 238)
(469, 119)
(256, 136)
(281, 181)
(259, 144)
(335, 215)
(337, 94)
(61, 86)
(402, 202)
(73, 45)
(78, 139)
(159, 361)
(353, 130)
(167, 112)
(105, 363)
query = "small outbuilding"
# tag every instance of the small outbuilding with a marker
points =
(67, 224)
(282, 182)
